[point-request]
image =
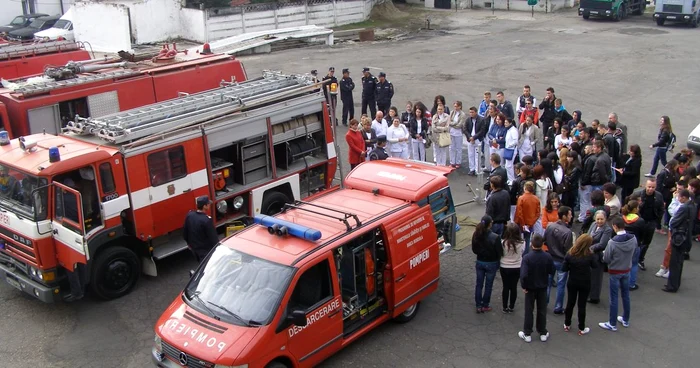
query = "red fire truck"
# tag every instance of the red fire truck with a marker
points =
(93, 89)
(27, 59)
(111, 194)
(296, 288)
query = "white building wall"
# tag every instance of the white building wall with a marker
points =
(50, 7)
(154, 20)
(517, 5)
(192, 25)
(10, 9)
(104, 26)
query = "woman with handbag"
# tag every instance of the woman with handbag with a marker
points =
(398, 136)
(601, 233)
(529, 138)
(441, 130)
(511, 148)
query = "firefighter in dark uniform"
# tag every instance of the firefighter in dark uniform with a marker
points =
(332, 88)
(346, 88)
(379, 152)
(385, 91)
(199, 231)
(369, 86)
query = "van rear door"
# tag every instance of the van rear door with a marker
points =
(413, 251)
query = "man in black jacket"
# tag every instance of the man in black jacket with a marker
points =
(474, 130)
(602, 167)
(585, 188)
(346, 88)
(536, 269)
(384, 93)
(559, 240)
(498, 205)
(199, 231)
(651, 210)
(681, 226)
(504, 106)
(497, 170)
(548, 112)
(369, 89)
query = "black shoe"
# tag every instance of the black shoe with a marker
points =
(668, 290)
(69, 298)
(594, 301)
(472, 173)
(479, 310)
(558, 311)
(634, 287)
(642, 266)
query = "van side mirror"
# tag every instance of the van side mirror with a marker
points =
(298, 318)
(191, 273)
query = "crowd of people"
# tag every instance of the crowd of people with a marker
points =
(564, 204)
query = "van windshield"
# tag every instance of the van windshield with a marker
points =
(238, 288)
(18, 194)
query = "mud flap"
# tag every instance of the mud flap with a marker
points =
(148, 266)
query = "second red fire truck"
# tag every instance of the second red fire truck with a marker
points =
(27, 59)
(111, 194)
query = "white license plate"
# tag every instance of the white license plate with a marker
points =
(594, 12)
(13, 282)
(671, 17)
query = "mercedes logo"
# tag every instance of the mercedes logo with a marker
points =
(183, 358)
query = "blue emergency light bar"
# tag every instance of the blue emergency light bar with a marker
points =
(281, 227)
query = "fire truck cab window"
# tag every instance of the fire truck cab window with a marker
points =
(312, 288)
(106, 178)
(167, 165)
(83, 181)
(18, 194)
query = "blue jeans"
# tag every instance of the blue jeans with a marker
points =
(526, 236)
(498, 229)
(562, 277)
(660, 155)
(635, 266)
(619, 283)
(485, 271)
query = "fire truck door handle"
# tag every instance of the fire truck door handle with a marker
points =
(334, 313)
(186, 190)
(403, 276)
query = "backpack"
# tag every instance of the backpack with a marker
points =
(671, 142)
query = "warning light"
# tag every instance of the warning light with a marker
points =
(54, 155)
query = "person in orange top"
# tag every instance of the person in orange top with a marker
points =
(550, 211)
(527, 212)
(356, 144)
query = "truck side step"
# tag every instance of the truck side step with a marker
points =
(168, 249)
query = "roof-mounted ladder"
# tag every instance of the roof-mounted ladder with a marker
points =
(297, 205)
(30, 89)
(16, 51)
(163, 116)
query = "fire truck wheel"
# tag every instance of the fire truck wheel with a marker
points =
(114, 273)
(273, 203)
(276, 364)
(408, 314)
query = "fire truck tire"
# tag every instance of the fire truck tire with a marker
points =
(408, 314)
(273, 203)
(115, 272)
(276, 364)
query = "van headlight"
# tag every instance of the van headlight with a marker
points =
(158, 343)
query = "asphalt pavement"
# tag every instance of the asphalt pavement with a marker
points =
(632, 67)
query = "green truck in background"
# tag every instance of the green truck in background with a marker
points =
(614, 9)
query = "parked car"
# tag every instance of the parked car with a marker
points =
(27, 33)
(62, 28)
(20, 21)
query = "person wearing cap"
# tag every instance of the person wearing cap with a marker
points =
(384, 93)
(199, 231)
(369, 86)
(346, 88)
(379, 152)
(332, 89)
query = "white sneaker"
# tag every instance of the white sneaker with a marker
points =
(621, 320)
(661, 272)
(544, 337)
(525, 338)
(665, 275)
(584, 331)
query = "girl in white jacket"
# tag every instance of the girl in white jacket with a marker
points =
(397, 135)
(511, 143)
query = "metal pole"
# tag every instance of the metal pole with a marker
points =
(331, 110)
